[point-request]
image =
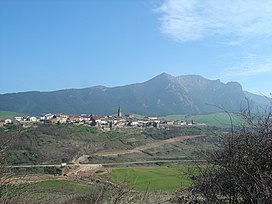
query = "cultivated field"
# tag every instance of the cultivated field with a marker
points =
(158, 178)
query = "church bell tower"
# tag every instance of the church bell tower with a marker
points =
(119, 114)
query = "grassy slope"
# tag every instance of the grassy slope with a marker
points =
(153, 178)
(220, 119)
(8, 114)
(64, 184)
(54, 191)
(174, 117)
(62, 143)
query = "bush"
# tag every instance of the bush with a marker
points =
(240, 171)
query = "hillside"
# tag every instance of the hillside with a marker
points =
(161, 95)
(63, 143)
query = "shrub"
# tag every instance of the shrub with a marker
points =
(241, 170)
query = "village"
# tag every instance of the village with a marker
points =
(103, 122)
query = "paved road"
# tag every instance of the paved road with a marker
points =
(38, 165)
(105, 164)
(150, 162)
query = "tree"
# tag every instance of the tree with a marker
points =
(241, 170)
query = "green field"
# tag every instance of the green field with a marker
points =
(8, 114)
(219, 119)
(159, 178)
(174, 117)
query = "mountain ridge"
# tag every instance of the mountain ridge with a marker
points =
(163, 94)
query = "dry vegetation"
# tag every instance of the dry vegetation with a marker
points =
(241, 170)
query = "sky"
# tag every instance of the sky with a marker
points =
(48, 45)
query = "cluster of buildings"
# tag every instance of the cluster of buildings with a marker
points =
(103, 122)
(19, 120)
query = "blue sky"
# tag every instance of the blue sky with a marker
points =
(49, 45)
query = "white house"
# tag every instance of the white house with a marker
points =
(19, 118)
(134, 123)
(8, 121)
(33, 119)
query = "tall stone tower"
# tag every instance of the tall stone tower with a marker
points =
(119, 114)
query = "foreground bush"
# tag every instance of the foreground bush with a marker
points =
(240, 171)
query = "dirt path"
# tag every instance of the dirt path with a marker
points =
(85, 169)
(151, 145)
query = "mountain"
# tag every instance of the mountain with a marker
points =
(161, 95)
(258, 99)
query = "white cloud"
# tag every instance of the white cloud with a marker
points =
(248, 69)
(192, 20)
